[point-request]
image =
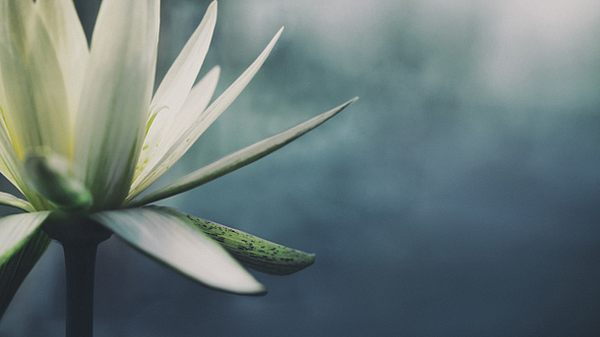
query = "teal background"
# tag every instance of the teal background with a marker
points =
(458, 197)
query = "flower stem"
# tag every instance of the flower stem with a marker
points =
(80, 261)
(80, 240)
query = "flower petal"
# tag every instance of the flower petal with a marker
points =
(68, 38)
(186, 249)
(8, 159)
(16, 230)
(36, 109)
(11, 169)
(10, 200)
(161, 164)
(239, 159)
(254, 252)
(164, 133)
(180, 78)
(15, 269)
(116, 96)
(166, 116)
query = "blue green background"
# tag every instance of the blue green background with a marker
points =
(459, 197)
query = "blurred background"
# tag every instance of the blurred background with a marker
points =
(459, 197)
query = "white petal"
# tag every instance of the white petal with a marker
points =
(166, 128)
(11, 168)
(195, 130)
(36, 108)
(15, 231)
(8, 159)
(181, 246)
(15, 270)
(256, 253)
(240, 158)
(68, 38)
(180, 78)
(10, 200)
(116, 96)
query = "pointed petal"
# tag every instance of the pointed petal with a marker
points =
(36, 109)
(161, 164)
(163, 134)
(254, 252)
(116, 96)
(68, 38)
(7, 154)
(15, 269)
(16, 230)
(180, 246)
(180, 78)
(8, 159)
(240, 158)
(51, 176)
(10, 200)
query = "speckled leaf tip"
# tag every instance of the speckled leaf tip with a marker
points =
(252, 251)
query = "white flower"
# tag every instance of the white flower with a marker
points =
(82, 133)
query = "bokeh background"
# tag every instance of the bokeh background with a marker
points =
(459, 197)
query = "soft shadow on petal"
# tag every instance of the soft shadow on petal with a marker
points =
(115, 97)
(67, 35)
(180, 246)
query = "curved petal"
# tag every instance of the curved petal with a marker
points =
(239, 159)
(116, 96)
(21, 245)
(16, 230)
(36, 108)
(161, 164)
(163, 134)
(177, 244)
(15, 269)
(10, 200)
(68, 38)
(254, 252)
(180, 78)
(8, 160)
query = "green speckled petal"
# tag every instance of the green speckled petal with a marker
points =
(254, 252)
(177, 244)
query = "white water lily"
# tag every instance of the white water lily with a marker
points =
(82, 133)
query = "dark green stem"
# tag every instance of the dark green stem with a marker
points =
(80, 239)
(80, 261)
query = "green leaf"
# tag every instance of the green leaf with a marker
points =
(14, 270)
(256, 253)
(181, 246)
(240, 158)
(51, 176)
